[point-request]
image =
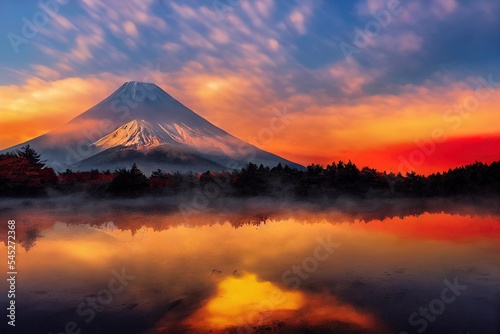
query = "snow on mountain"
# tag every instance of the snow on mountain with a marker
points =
(140, 134)
(143, 120)
(137, 134)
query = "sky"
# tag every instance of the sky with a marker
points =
(395, 85)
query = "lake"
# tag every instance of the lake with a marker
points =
(254, 271)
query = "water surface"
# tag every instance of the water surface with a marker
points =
(301, 272)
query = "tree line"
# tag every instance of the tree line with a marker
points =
(24, 174)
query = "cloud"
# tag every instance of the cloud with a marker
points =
(269, 55)
(171, 47)
(196, 40)
(85, 43)
(130, 29)
(219, 36)
(298, 20)
(299, 15)
(184, 11)
(367, 7)
(351, 78)
(417, 11)
(443, 8)
(403, 43)
(115, 12)
(44, 72)
(273, 44)
(254, 15)
(265, 7)
(42, 105)
(412, 11)
(63, 22)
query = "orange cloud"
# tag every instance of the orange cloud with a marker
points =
(326, 128)
(376, 130)
(40, 106)
(373, 130)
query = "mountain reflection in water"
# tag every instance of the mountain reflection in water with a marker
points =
(255, 273)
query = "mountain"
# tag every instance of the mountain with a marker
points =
(141, 123)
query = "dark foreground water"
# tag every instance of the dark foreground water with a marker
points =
(301, 272)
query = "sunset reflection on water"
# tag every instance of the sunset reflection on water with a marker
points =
(215, 277)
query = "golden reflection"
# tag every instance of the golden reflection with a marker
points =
(172, 264)
(245, 301)
(88, 251)
(239, 299)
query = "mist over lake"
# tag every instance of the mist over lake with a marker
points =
(256, 269)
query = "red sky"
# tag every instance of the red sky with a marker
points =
(414, 131)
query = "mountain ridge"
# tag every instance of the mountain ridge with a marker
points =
(141, 116)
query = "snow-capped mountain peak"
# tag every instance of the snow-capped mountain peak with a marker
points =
(137, 134)
(141, 120)
(141, 134)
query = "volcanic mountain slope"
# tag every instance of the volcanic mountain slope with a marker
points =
(142, 123)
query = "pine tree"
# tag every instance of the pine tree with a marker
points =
(31, 155)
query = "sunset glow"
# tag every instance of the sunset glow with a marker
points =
(241, 65)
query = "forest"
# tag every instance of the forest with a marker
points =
(24, 174)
